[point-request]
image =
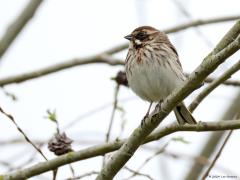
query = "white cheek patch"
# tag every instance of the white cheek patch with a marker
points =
(138, 42)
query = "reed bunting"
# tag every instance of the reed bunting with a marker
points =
(153, 69)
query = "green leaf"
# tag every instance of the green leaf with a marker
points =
(51, 115)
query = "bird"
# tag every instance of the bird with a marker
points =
(153, 69)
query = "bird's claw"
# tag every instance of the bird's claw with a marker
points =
(158, 107)
(143, 122)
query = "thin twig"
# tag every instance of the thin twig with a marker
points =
(123, 121)
(83, 175)
(19, 23)
(160, 151)
(186, 14)
(115, 102)
(198, 159)
(9, 116)
(220, 150)
(9, 94)
(217, 156)
(138, 173)
(202, 22)
(72, 170)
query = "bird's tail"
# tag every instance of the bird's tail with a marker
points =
(183, 115)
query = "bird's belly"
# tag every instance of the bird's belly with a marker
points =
(152, 83)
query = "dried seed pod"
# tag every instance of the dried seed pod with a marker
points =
(60, 144)
(121, 78)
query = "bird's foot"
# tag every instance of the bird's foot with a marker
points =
(143, 122)
(158, 107)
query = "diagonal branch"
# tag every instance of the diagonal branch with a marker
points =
(213, 85)
(220, 150)
(9, 116)
(16, 27)
(217, 156)
(109, 147)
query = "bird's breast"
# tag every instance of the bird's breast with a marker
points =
(149, 79)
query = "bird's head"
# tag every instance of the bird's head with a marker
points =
(142, 36)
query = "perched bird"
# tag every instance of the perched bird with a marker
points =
(153, 69)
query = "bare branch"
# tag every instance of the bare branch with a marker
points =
(201, 22)
(83, 175)
(220, 150)
(201, 160)
(9, 116)
(218, 155)
(109, 147)
(228, 82)
(112, 117)
(159, 151)
(101, 59)
(184, 11)
(16, 27)
(213, 85)
(113, 112)
(138, 173)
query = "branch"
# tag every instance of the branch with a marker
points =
(101, 59)
(217, 156)
(115, 104)
(212, 142)
(220, 151)
(213, 85)
(177, 28)
(209, 64)
(226, 82)
(159, 151)
(9, 116)
(16, 27)
(109, 147)
(138, 173)
(83, 175)
(98, 59)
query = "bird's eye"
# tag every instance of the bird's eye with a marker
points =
(141, 36)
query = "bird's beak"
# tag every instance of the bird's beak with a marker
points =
(128, 37)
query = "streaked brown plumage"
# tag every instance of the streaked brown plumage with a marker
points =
(153, 68)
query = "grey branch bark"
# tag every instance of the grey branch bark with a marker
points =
(16, 27)
(213, 85)
(109, 147)
(101, 59)
(209, 64)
